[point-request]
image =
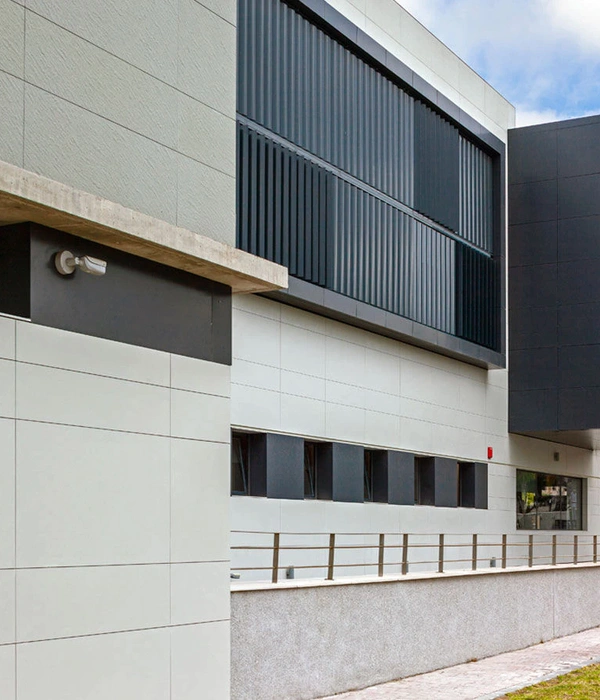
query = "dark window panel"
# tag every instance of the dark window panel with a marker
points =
(276, 466)
(341, 472)
(424, 481)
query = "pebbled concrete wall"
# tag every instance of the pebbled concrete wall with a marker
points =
(132, 101)
(306, 642)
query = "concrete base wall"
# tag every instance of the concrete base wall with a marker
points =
(306, 642)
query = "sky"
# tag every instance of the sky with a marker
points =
(542, 55)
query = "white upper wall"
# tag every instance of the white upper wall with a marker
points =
(403, 36)
(131, 101)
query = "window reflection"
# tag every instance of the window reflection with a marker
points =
(548, 501)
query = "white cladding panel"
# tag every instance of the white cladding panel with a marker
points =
(114, 530)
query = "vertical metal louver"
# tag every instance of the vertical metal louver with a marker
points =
(477, 298)
(356, 185)
(303, 85)
(436, 167)
(371, 250)
(476, 196)
(282, 206)
(433, 279)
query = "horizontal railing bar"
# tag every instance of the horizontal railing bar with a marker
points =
(415, 534)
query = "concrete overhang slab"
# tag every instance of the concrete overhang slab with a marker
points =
(26, 196)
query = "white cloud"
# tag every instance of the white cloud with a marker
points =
(543, 55)
(581, 18)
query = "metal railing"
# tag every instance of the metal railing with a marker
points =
(264, 555)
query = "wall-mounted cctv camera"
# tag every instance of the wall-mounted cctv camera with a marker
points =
(66, 263)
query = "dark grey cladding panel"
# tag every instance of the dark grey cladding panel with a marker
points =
(578, 282)
(532, 201)
(533, 285)
(578, 196)
(473, 485)
(579, 324)
(481, 485)
(532, 156)
(137, 301)
(533, 244)
(401, 478)
(467, 485)
(446, 482)
(15, 251)
(532, 410)
(257, 465)
(579, 239)
(579, 150)
(380, 475)
(579, 366)
(579, 409)
(283, 466)
(533, 327)
(555, 304)
(535, 368)
(341, 472)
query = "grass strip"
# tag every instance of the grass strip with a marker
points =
(582, 684)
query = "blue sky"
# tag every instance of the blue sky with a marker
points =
(542, 55)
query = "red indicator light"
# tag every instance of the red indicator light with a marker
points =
(490, 452)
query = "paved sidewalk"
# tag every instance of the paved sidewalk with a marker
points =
(492, 677)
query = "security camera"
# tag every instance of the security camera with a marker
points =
(66, 263)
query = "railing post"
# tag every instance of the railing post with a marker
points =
(574, 549)
(504, 551)
(275, 557)
(474, 554)
(441, 555)
(381, 554)
(530, 550)
(331, 557)
(553, 550)
(595, 549)
(405, 553)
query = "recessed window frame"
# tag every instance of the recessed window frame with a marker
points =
(310, 470)
(424, 481)
(368, 481)
(531, 509)
(240, 466)
(465, 484)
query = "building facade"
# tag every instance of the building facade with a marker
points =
(378, 379)
(294, 215)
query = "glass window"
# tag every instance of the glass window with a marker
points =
(310, 470)
(368, 476)
(239, 464)
(548, 501)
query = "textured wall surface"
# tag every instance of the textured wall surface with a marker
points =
(305, 643)
(114, 473)
(133, 101)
